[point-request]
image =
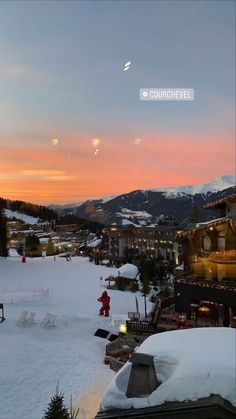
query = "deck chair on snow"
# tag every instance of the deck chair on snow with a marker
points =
(26, 319)
(23, 318)
(30, 319)
(49, 321)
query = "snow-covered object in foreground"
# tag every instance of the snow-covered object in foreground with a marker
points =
(190, 364)
(127, 271)
(95, 243)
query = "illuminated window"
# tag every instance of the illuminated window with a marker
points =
(206, 242)
(221, 240)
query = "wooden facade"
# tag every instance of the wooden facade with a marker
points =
(209, 257)
(213, 407)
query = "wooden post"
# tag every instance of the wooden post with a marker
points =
(2, 318)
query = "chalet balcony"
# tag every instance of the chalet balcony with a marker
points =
(226, 256)
(217, 256)
(191, 280)
(192, 291)
(200, 254)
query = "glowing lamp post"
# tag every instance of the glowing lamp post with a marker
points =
(123, 329)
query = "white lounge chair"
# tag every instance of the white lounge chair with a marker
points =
(30, 319)
(23, 318)
(26, 319)
(49, 321)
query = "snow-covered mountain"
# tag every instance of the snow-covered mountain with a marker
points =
(172, 202)
(216, 185)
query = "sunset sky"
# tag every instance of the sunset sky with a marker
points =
(64, 95)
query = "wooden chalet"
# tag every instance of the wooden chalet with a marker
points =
(208, 284)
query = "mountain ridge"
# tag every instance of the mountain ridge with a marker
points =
(218, 184)
(149, 206)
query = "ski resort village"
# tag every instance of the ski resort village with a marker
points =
(134, 316)
(117, 209)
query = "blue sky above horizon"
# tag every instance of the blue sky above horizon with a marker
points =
(61, 77)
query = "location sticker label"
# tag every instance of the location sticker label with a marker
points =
(166, 94)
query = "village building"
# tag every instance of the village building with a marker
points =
(130, 241)
(207, 286)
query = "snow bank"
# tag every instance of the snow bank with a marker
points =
(190, 364)
(95, 243)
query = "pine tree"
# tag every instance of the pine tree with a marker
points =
(3, 234)
(56, 408)
(194, 215)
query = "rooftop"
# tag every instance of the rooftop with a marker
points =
(221, 202)
(190, 364)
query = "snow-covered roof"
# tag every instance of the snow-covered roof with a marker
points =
(204, 225)
(179, 268)
(44, 240)
(94, 243)
(222, 201)
(190, 364)
(63, 244)
(126, 222)
(21, 232)
(128, 271)
(215, 220)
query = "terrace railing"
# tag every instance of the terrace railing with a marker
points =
(228, 285)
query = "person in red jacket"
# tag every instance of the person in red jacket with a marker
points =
(105, 300)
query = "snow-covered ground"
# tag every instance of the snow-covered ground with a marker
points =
(33, 359)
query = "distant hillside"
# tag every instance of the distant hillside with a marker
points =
(37, 211)
(82, 223)
(148, 205)
(27, 219)
(34, 214)
(140, 206)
